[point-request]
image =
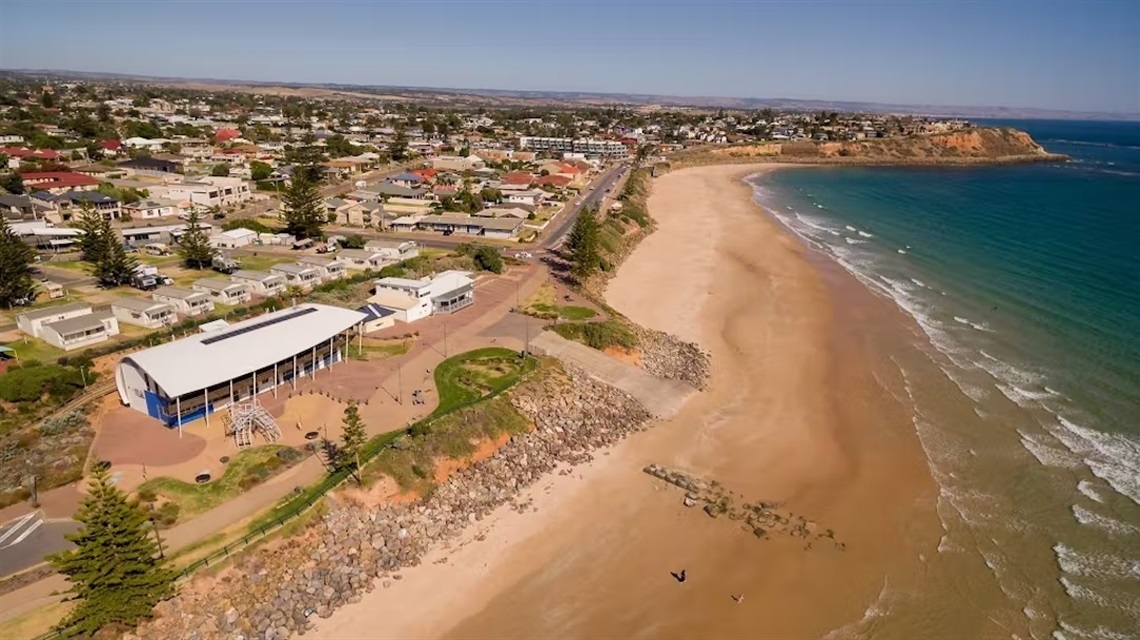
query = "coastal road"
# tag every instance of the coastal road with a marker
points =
(557, 233)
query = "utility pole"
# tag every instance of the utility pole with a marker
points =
(154, 525)
(400, 382)
(445, 340)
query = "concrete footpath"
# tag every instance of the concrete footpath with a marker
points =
(663, 398)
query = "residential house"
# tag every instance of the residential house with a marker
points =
(69, 204)
(151, 209)
(80, 331)
(407, 180)
(32, 322)
(407, 207)
(223, 291)
(148, 166)
(393, 250)
(504, 228)
(208, 192)
(186, 302)
(163, 234)
(457, 163)
(516, 179)
(58, 182)
(233, 239)
(18, 154)
(508, 211)
(328, 268)
(297, 275)
(111, 147)
(556, 180)
(532, 197)
(143, 313)
(360, 259)
(16, 208)
(387, 189)
(150, 144)
(261, 283)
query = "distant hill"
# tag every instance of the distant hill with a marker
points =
(504, 97)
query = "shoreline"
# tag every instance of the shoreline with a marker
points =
(806, 449)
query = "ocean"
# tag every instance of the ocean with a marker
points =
(1024, 286)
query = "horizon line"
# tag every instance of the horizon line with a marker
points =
(139, 76)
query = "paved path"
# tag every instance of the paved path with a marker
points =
(26, 540)
(661, 397)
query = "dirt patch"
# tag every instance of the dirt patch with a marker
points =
(444, 467)
(384, 491)
(628, 356)
(129, 437)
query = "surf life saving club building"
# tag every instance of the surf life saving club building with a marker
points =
(187, 379)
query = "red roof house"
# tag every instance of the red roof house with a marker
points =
(57, 181)
(24, 152)
(554, 179)
(225, 135)
(518, 178)
(426, 174)
(111, 145)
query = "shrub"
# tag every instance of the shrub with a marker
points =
(167, 514)
(598, 335)
(72, 421)
(29, 382)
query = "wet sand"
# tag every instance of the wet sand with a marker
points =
(799, 411)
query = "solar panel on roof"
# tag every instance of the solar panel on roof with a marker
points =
(260, 325)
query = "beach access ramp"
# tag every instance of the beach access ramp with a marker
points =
(663, 398)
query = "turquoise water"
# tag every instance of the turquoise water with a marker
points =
(1024, 283)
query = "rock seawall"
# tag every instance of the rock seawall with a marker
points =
(667, 356)
(276, 591)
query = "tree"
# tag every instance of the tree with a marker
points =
(196, 250)
(583, 245)
(47, 100)
(90, 222)
(221, 169)
(16, 256)
(398, 148)
(304, 209)
(12, 183)
(339, 146)
(114, 266)
(354, 241)
(259, 170)
(352, 440)
(489, 259)
(113, 569)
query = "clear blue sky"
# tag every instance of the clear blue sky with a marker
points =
(1048, 54)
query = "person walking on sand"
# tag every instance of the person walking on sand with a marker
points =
(679, 577)
(739, 598)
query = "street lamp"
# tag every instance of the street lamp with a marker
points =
(154, 525)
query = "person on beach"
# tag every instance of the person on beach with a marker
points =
(739, 598)
(679, 577)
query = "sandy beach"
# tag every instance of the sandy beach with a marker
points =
(800, 411)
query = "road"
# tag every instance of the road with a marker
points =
(557, 234)
(26, 540)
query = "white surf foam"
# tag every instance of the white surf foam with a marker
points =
(1047, 455)
(850, 228)
(866, 235)
(902, 251)
(1089, 490)
(1104, 566)
(854, 241)
(1112, 457)
(1098, 633)
(1109, 525)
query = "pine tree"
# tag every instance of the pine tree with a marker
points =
(17, 286)
(90, 222)
(304, 208)
(113, 569)
(114, 266)
(583, 245)
(352, 440)
(195, 244)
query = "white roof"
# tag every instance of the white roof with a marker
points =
(394, 300)
(449, 281)
(403, 283)
(238, 234)
(191, 364)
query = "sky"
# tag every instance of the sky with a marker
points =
(1050, 54)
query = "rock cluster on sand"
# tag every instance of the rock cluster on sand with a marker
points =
(760, 519)
(667, 356)
(278, 590)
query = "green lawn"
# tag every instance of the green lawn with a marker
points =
(566, 312)
(245, 470)
(465, 378)
(378, 351)
(35, 349)
(261, 262)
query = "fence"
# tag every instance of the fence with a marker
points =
(308, 498)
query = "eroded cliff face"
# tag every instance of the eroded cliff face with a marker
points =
(970, 146)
